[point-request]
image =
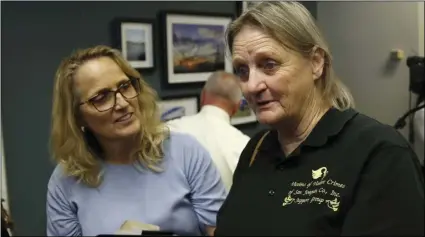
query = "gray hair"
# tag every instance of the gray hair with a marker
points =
(292, 25)
(225, 85)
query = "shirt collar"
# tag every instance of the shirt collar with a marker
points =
(331, 124)
(216, 112)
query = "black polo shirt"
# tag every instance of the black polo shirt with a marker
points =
(351, 176)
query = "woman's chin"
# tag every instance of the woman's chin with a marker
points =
(129, 131)
(268, 117)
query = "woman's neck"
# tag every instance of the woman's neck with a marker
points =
(119, 151)
(293, 133)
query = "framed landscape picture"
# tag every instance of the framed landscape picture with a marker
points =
(173, 107)
(244, 115)
(194, 46)
(134, 37)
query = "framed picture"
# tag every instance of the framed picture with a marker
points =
(244, 115)
(241, 6)
(194, 46)
(134, 37)
(178, 106)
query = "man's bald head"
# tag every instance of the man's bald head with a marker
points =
(224, 85)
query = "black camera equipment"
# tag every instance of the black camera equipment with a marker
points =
(416, 86)
(417, 75)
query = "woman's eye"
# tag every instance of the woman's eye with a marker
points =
(98, 98)
(125, 86)
(242, 71)
(269, 65)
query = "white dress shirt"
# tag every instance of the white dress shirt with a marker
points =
(212, 128)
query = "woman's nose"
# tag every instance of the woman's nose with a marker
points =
(121, 102)
(255, 83)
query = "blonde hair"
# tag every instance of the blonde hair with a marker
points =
(224, 84)
(291, 24)
(69, 144)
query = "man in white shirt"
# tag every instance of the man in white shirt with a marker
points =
(220, 100)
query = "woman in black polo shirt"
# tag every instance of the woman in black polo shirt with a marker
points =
(323, 168)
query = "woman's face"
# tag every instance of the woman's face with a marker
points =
(275, 81)
(92, 82)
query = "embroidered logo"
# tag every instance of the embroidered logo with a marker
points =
(317, 191)
(319, 173)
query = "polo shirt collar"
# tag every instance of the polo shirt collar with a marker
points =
(331, 124)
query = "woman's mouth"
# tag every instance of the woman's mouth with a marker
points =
(263, 104)
(124, 118)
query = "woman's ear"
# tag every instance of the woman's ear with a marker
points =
(80, 122)
(317, 62)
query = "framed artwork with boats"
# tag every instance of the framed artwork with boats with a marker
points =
(194, 46)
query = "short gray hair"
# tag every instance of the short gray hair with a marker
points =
(225, 85)
(292, 25)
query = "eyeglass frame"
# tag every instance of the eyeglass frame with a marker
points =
(131, 79)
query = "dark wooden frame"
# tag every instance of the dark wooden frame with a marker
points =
(239, 7)
(163, 19)
(115, 29)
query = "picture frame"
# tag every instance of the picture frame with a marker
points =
(241, 6)
(173, 107)
(134, 38)
(245, 115)
(194, 46)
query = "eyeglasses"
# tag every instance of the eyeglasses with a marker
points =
(107, 99)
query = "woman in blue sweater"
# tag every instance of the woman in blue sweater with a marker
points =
(116, 160)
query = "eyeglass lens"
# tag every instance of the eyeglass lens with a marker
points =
(107, 99)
